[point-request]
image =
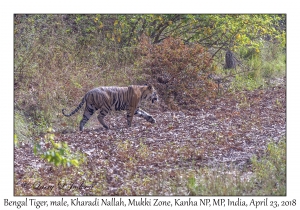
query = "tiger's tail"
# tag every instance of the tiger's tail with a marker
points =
(76, 110)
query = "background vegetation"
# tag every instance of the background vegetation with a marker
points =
(58, 58)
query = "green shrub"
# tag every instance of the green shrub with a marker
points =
(265, 65)
(270, 170)
(59, 153)
(22, 129)
(268, 176)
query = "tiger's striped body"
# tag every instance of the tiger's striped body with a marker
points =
(108, 99)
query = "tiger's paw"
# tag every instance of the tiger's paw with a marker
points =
(151, 120)
(106, 127)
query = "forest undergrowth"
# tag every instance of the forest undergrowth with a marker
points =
(219, 131)
(184, 153)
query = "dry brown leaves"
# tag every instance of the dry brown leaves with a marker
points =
(122, 161)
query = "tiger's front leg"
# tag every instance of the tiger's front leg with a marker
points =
(141, 113)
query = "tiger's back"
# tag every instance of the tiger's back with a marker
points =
(108, 98)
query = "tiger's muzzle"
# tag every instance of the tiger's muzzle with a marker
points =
(154, 98)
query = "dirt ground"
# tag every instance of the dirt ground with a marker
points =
(228, 130)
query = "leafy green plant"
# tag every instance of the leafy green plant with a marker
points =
(208, 30)
(59, 153)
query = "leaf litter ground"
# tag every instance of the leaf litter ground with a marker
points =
(157, 159)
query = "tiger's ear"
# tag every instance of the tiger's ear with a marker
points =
(150, 87)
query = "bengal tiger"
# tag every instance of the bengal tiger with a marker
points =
(108, 99)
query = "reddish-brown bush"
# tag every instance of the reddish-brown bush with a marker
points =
(178, 70)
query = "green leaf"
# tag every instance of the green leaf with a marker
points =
(34, 150)
(74, 162)
(16, 141)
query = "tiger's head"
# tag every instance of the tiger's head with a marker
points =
(150, 93)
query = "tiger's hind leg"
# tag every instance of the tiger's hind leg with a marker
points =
(141, 113)
(100, 117)
(88, 112)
